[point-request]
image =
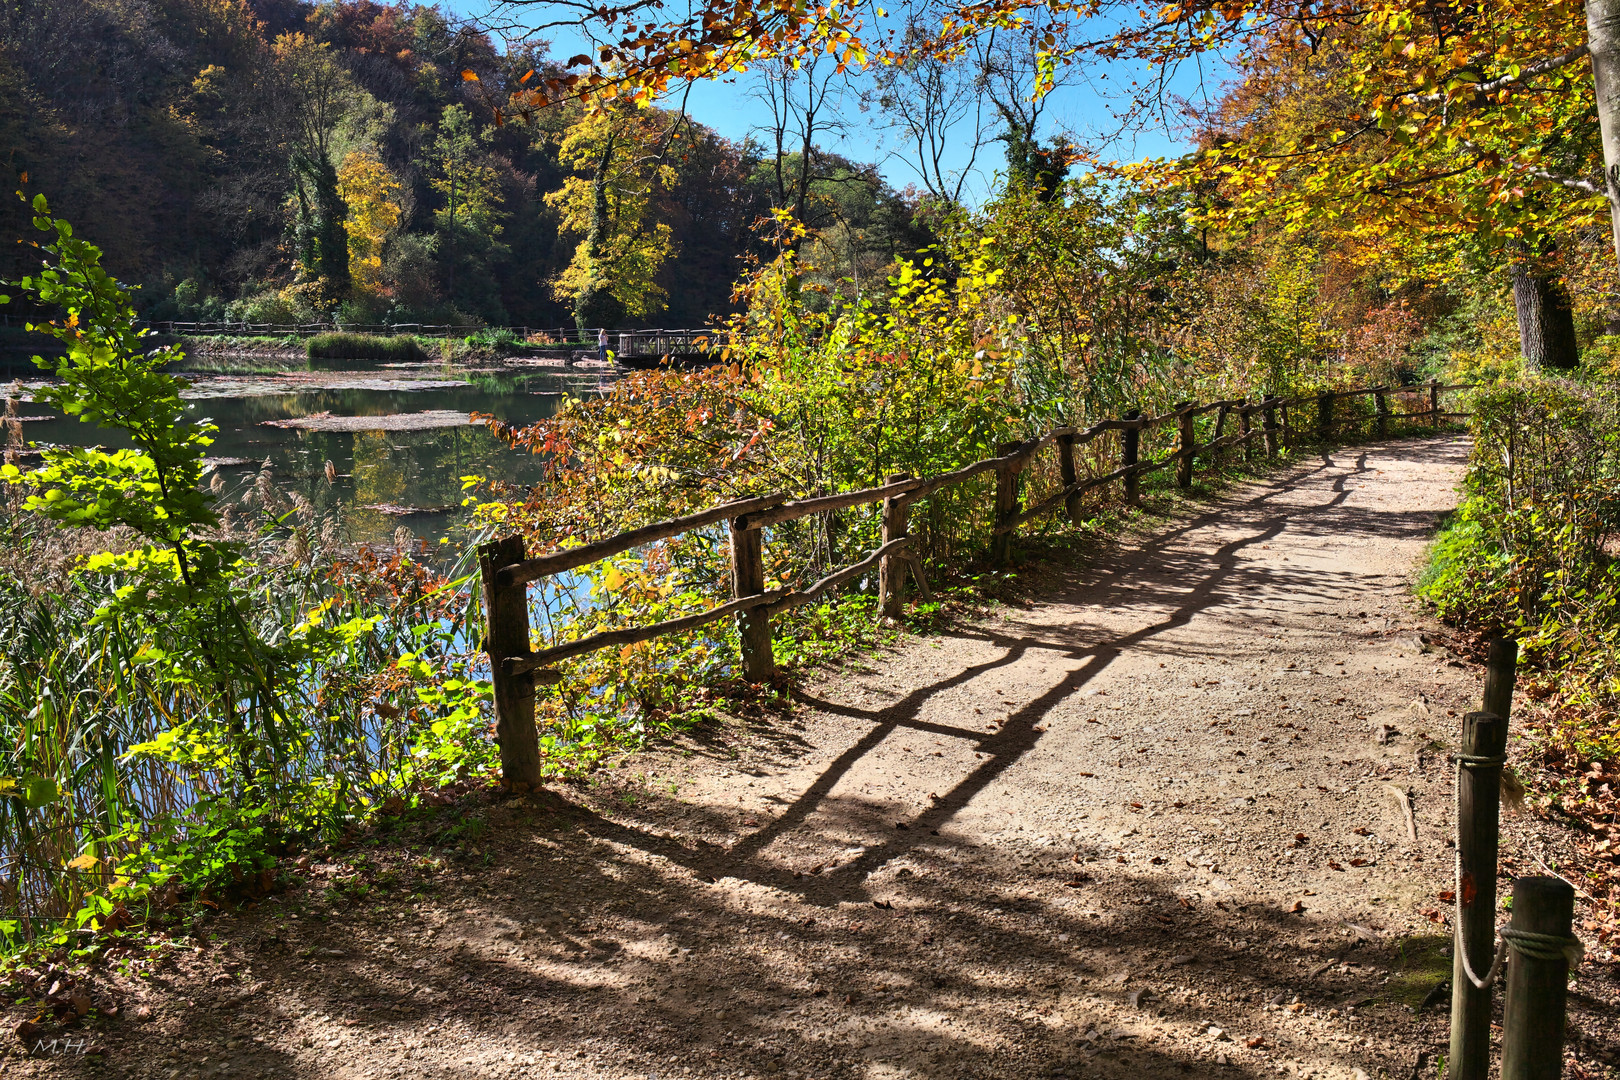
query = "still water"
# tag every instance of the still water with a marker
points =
(384, 478)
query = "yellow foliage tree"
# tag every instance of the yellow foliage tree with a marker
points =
(616, 155)
(371, 193)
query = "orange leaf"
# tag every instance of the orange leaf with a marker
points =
(469, 75)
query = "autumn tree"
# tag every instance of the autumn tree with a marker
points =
(618, 157)
(318, 96)
(371, 196)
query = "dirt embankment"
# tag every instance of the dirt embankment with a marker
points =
(1146, 827)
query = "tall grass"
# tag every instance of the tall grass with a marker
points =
(88, 802)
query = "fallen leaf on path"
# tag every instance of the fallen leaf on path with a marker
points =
(1362, 831)
(1298, 908)
(1358, 862)
(1446, 896)
(1334, 866)
(1256, 1043)
(886, 905)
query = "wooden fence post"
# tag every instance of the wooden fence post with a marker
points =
(1186, 446)
(1220, 428)
(1324, 417)
(1501, 671)
(1246, 426)
(1006, 503)
(507, 613)
(748, 579)
(1069, 474)
(1270, 423)
(1479, 780)
(1133, 445)
(1537, 979)
(1383, 411)
(892, 570)
(1434, 403)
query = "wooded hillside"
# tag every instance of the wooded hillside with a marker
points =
(278, 161)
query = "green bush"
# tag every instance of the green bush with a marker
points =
(268, 307)
(344, 346)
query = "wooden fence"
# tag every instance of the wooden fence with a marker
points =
(651, 342)
(506, 570)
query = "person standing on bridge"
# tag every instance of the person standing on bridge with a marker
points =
(601, 345)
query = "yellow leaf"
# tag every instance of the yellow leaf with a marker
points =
(84, 862)
(613, 580)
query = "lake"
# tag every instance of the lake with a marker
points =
(385, 478)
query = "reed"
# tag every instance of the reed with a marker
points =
(346, 346)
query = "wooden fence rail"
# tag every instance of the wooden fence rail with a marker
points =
(506, 571)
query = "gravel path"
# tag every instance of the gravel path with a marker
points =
(1147, 827)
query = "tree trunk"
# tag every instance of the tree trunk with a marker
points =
(1603, 40)
(1546, 324)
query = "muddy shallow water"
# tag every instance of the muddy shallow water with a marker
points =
(384, 478)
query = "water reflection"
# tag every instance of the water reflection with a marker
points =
(384, 478)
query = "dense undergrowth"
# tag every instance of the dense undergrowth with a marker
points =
(1531, 554)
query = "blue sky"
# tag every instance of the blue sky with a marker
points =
(1081, 107)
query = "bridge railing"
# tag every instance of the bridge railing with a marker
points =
(1262, 427)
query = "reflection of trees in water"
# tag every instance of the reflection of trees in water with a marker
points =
(403, 468)
(380, 476)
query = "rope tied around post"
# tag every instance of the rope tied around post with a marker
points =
(1565, 947)
(1535, 946)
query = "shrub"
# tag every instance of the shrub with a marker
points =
(346, 346)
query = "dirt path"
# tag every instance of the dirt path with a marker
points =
(1145, 828)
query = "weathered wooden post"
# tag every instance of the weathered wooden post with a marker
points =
(1434, 403)
(1380, 396)
(892, 570)
(748, 579)
(1501, 671)
(1270, 424)
(1246, 427)
(1537, 978)
(1186, 446)
(1006, 502)
(1479, 780)
(506, 610)
(1069, 474)
(1324, 417)
(1132, 448)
